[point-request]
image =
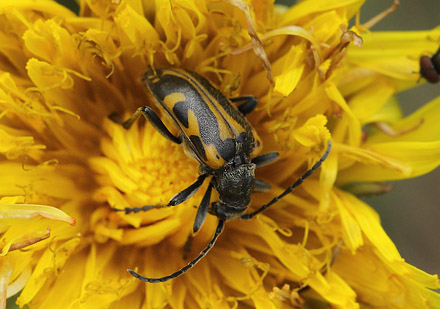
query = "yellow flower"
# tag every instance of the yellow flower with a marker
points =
(63, 160)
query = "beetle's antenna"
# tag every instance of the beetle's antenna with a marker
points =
(290, 189)
(191, 264)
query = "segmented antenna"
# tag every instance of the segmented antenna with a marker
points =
(190, 265)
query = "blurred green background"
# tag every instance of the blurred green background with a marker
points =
(410, 213)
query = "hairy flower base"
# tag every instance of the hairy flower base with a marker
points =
(65, 165)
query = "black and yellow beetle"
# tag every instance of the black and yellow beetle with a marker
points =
(220, 138)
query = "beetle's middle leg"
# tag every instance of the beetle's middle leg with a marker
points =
(153, 118)
(177, 199)
(248, 106)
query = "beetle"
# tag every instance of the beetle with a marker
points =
(430, 67)
(219, 137)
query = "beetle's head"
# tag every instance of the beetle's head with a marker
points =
(234, 186)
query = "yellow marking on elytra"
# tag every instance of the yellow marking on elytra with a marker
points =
(224, 129)
(258, 147)
(213, 158)
(193, 125)
(220, 114)
(173, 98)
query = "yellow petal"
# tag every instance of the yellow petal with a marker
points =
(136, 28)
(310, 7)
(48, 265)
(48, 41)
(351, 231)
(403, 160)
(24, 241)
(292, 71)
(349, 121)
(9, 213)
(46, 6)
(427, 131)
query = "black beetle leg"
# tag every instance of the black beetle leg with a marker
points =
(248, 106)
(153, 118)
(265, 159)
(187, 246)
(290, 189)
(261, 186)
(177, 199)
(202, 212)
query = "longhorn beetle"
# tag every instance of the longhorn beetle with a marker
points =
(430, 67)
(220, 138)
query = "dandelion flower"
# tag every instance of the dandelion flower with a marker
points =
(64, 162)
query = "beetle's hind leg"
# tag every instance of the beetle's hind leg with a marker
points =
(153, 118)
(187, 246)
(248, 106)
(202, 212)
(177, 199)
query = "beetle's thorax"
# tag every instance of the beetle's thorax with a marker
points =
(234, 185)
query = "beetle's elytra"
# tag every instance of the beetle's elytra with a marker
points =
(220, 138)
(430, 67)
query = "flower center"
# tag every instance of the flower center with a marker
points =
(140, 167)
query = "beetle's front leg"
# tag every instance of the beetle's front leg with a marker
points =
(153, 118)
(177, 199)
